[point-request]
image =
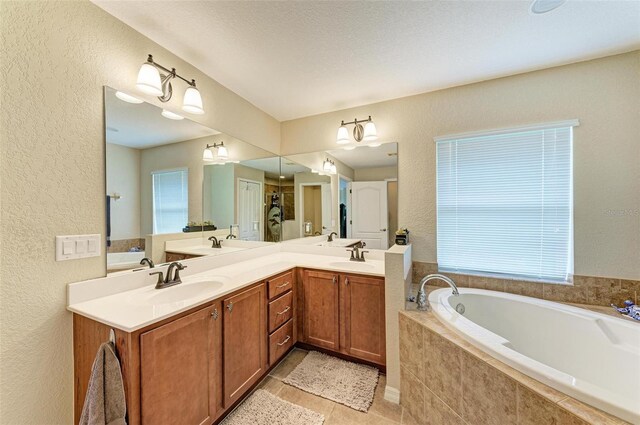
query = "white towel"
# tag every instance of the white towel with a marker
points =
(104, 403)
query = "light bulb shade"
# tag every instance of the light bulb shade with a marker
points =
(326, 166)
(207, 155)
(192, 102)
(370, 132)
(149, 81)
(222, 152)
(127, 97)
(343, 135)
(334, 170)
(171, 115)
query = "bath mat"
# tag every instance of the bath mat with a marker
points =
(264, 408)
(344, 382)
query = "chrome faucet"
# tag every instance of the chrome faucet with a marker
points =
(215, 242)
(165, 282)
(330, 238)
(148, 261)
(423, 302)
(357, 254)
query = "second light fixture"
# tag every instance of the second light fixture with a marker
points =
(367, 133)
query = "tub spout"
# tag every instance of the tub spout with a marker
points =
(423, 302)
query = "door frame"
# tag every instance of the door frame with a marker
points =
(300, 213)
(261, 200)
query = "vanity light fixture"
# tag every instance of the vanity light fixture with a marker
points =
(127, 97)
(171, 115)
(150, 81)
(221, 153)
(368, 133)
(329, 166)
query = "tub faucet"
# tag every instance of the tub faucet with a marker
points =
(330, 238)
(215, 242)
(148, 261)
(423, 302)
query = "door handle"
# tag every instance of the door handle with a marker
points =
(383, 230)
(283, 285)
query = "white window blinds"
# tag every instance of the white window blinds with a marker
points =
(170, 200)
(505, 202)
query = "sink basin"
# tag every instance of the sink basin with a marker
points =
(182, 291)
(352, 265)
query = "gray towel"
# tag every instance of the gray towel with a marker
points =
(104, 403)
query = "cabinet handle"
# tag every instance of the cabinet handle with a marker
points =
(280, 344)
(230, 307)
(283, 285)
(335, 279)
(346, 281)
(284, 311)
(214, 314)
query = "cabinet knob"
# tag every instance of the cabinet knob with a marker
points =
(230, 307)
(335, 279)
(346, 281)
(215, 314)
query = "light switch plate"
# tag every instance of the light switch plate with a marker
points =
(77, 246)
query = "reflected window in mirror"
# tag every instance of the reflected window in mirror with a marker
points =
(170, 200)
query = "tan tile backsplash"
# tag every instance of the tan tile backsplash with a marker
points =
(585, 289)
(124, 245)
(462, 385)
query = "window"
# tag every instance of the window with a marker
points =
(505, 203)
(170, 200)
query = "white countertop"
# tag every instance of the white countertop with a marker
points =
(136, 308)
(203, 250)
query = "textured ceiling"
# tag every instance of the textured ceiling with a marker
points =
(294, 59)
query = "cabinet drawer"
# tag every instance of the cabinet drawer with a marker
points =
(280, 311)
(280, 284)
(280, 342)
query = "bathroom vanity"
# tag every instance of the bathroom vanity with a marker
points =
(191, 352)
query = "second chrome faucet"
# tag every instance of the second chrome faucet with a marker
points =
(357, 254)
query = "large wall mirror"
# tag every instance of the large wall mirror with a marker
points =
(171, 184)
(351, 192)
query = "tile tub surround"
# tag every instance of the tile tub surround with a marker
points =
(585, 289)
(124, 245)
(446, 380)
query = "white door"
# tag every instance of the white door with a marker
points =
(249, 210)
(368, 213)
(325, 195)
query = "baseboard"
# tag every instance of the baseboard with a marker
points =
(392, 394)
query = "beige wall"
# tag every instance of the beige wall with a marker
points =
(56, 57)
(603, 94)
(374, 174)
(123, 178)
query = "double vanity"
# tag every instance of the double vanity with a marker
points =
(190, 352)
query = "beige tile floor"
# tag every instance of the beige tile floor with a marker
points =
(381, 412)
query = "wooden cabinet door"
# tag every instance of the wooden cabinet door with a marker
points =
(363, 324)
(321, 309)
(178, 371)
(245, 342)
